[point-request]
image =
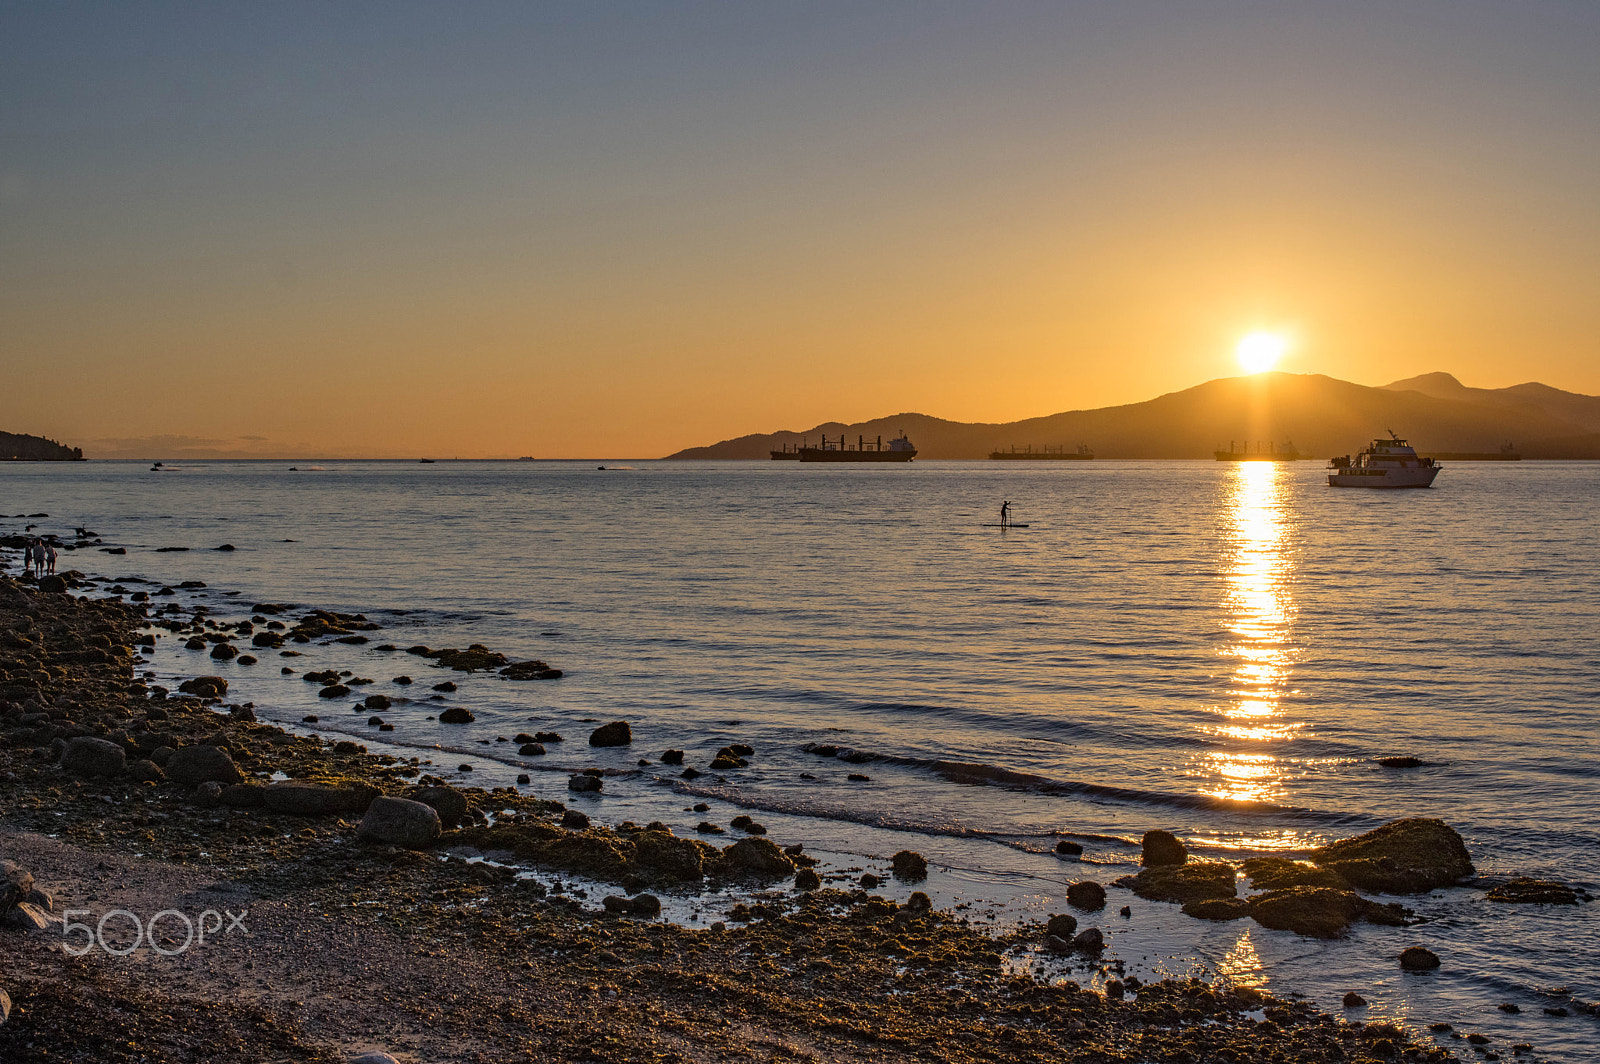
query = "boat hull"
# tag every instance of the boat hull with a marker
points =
(1384, 478)
(785, 456)
(1038, 456)
(817, 454)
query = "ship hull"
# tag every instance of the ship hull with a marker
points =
(785, 456)
(1384, 478)
(1026, 456)
(1281, 456)
(816, 454)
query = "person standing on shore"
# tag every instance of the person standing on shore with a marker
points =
(47, 556)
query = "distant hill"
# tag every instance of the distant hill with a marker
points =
(17, 448)
(1321, 416)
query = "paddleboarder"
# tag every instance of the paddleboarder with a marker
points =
(1005, 513)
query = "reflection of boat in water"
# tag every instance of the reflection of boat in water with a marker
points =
(1270, 453)
(899, 450)
(1060, 454)
(1507, 453)
(1391, 463)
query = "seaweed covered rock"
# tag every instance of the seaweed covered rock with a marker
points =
(909, 865)
(1217, 909)
(1527, 891)
(1320, 912)
(670, 857)
(1162, 848)
(1280, 873)
(1086, 895)
(1410, 856)
(1183, 883)
(1417, 959)
(476, 658)
(757, 856)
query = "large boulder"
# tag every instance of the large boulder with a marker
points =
(757, 856)
(1162, 848)
(399, 822)
(456, 715)
(194, 765)
(1403, 857)
(204, 687)
(1183, 883)
(88, 756)
(449, 803)
(16, 883)
(316, 799)
(617, 733)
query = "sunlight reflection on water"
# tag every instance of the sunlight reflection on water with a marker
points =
(1260, 612)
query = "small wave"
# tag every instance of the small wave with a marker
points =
(978, 774)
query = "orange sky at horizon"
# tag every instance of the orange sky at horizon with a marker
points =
(579, 233)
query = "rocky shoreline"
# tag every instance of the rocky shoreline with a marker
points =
(118, 795)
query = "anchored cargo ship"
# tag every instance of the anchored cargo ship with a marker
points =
(1507, 453)
(1391, 463)
(898, 450)
(784, 454)
(1269, 453)
(1060, 454)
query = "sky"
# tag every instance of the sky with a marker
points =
(618, 229)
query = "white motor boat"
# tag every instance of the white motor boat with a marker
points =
(1391, 463)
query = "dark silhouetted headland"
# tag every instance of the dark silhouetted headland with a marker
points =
(1321, 416)
(19, 448)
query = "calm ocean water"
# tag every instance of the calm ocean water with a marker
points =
(1222, 651)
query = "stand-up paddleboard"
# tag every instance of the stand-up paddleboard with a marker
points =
(1005, 526)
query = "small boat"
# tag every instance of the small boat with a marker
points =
(1391, 463)
(425, 461)
(155, 468)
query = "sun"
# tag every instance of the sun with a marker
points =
(1260, 351)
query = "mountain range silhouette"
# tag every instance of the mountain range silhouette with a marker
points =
(1319, 415)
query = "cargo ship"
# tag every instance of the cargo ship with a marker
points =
(898, 450)
(1391, 463)
(1060, 454)
(784, 454)
(1269, 453)
(1507, 453)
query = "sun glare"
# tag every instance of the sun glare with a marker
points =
(1260, 351)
